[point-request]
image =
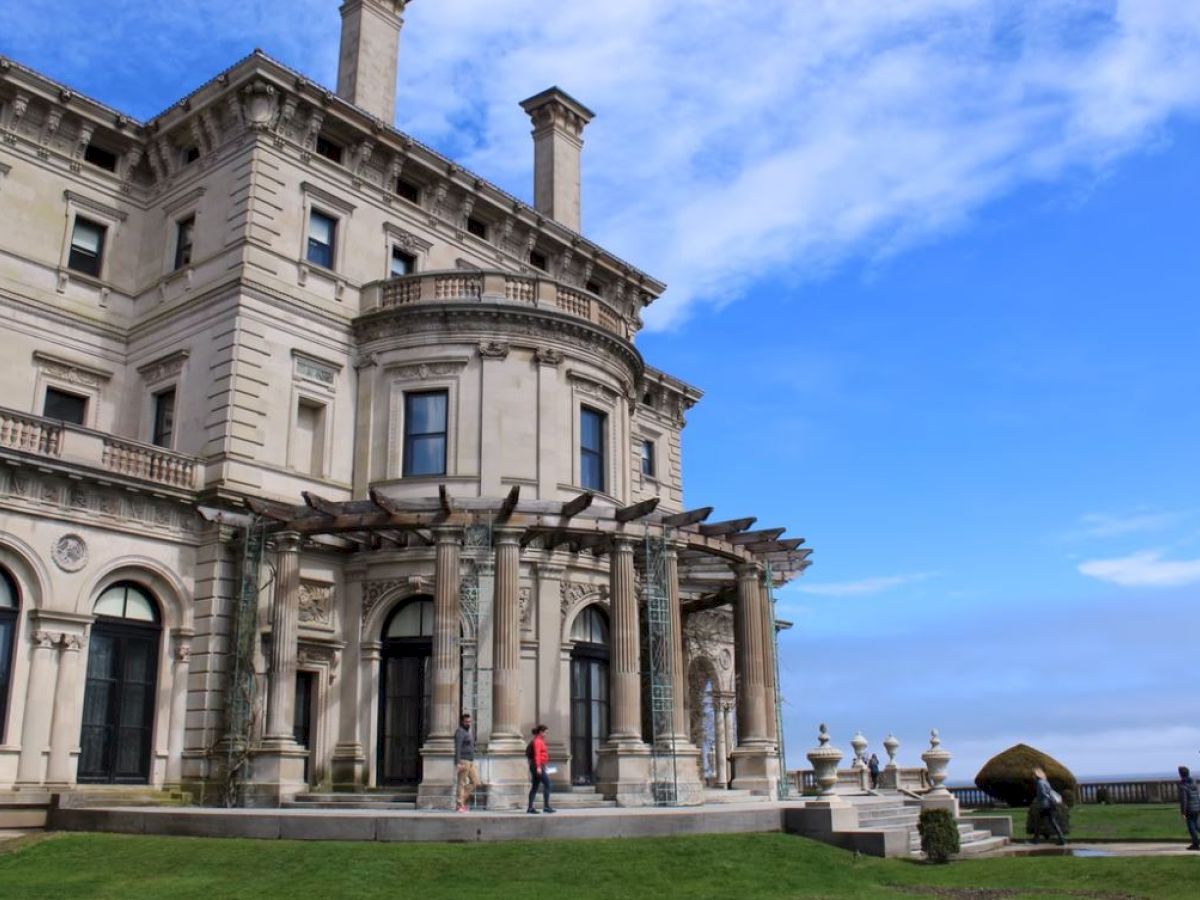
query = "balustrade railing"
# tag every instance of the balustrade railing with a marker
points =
(30, 434)
(1088, 792)
(150, 463)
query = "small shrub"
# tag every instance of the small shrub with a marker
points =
(939, 834)
(1102, 795)
(1008, 776)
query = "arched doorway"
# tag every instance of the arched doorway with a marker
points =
(405, 686)
(589, 692)
(118, 699)
(9, 605)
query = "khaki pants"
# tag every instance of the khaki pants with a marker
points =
(468, 780)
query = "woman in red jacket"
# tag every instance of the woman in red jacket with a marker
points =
(539, 758)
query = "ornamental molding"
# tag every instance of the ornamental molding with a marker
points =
(184, 200)
(70, 370)
(95, 206)
(406, 239)
(525, 599)
(548, 356)
(591, 386)
(494, 349)
(164, 367)
(575, 593)
(320, 656)
(325, 198)
(316, 604)
(70, 552)
(425, 370)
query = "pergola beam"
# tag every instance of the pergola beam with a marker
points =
(447, 506)
(277, 512)
(729, 526)
(577, 505)
(691, 517)
(756, 537)
(321, 505)
(509, 504)
(636, 511)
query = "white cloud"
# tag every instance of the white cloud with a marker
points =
(1105, 525)
(862, 587)
(1146, 568)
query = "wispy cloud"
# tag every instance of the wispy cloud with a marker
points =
(862, 587)
(1143, 569)
(1106, 525)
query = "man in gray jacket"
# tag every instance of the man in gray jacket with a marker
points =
(1189, 804)
(464, 762)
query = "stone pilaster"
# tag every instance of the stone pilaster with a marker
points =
(506, 749)
(553, 683)
(349, 757)
(437, 774)
(179, 698)
(64, 729)
(750, 759)
(686, 764)
(35, 730)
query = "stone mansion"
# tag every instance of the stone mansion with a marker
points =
(310, 439)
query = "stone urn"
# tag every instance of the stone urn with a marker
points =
(936, 762)
(825, 759)
(891, 745)
(859, 743)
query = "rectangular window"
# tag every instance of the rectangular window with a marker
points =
(184, 229)
(648, 458)
(591, 448)
(308, 443)
(593, 287)
(425, 433)
(100, 157)
(538, 260)
(331, 150)
(164, 418)
(65, 407)
(477, 227)
(322, 230)
(87, 247)
(402, 263)
(408, 191)
(190, 155)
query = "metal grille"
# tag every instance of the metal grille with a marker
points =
(664, 778)
(240, 703)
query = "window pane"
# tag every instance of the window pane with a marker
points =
(592, 429)
(111, 603)
(88, 236)
(426, 455)
(164, 417)
(139, 607)
(591, 471)
(183, 242)
(8, 592)
(65, 407)
(426, 413)
(320, 228)
(402, 263)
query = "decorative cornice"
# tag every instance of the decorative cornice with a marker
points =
(69, 369)
(164, 366)
(184, 200)
(323, 196)
(406, 239)
(95, 205)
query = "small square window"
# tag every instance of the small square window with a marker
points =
(408, 191)
(477, 227)
(100, 157)
(322, 231)
(87, 247)
(648, 458)
(402, 263)
(190, 155)
(538, 260)
(164, 418)
(184, 229)
(65, 407)
(331, 150)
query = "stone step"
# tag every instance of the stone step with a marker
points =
(121, 797)
(351, 798)
(888, 822)
(382, 805)
(20, 817)
(720, 796)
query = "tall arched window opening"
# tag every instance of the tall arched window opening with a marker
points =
(589, 692)
(405, 688)
(9, 606)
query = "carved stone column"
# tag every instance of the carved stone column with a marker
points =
(438, 774)
(750, 763)
(506, 748)
(349, 757)
(35, 730)
(64, 729)
(689, 786)
(179, 697)
(770, 689)
(623, 767)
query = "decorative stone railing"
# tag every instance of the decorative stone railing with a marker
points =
(39, 436)
(496, 287)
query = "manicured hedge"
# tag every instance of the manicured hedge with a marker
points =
(1008, 776)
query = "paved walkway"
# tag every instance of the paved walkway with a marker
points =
(1086, 849)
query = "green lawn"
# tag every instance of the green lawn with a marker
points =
(1116, 822)
(725, 866)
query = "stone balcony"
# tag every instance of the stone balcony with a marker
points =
(55, 441)
(495, 286)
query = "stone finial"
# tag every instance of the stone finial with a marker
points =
(859, 743)
(825, 759)
(891, 745)
(937, 760)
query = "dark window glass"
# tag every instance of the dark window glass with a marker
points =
(65, 407)
(184, 229)
(538, 260)
(87, 247)
(164, 417)
(425, 433)
(593, 287)
(322, 230)
(591, 449)
(190, 155)
(329, 149)
(100, 157)
(402, 263)
(408, 191)
(8, 627)
(648, 458)
(477, 227)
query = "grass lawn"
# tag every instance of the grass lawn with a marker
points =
(725, 866)
(1116, 822)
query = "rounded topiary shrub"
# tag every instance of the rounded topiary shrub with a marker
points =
(939, 834)
(1008, 776)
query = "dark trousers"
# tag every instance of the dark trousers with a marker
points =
(1193, 828)
(538, 776)
(1048, 824)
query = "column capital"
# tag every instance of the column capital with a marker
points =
(503, 535)
(623, 542)
(43, 639)
(747, 570)
(288, 541)
(448, 535)
(72, 642)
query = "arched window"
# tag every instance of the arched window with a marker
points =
(126, 601)
(589, 692)
(412, 620)
(405, 691)
(8, 628)
(591, 627)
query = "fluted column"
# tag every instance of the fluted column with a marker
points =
(281, 677)
(625, 663)
(679, 723)
(64, 730)
(446, 656)
(748, 633)
(770, 690)
(35, 730)
(179, 697)
(506, 639)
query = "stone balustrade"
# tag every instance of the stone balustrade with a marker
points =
(39, 436)
(496, 287)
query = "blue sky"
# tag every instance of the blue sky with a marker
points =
(935, 265)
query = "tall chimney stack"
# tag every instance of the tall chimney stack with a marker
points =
(558, 123)
(367, 61)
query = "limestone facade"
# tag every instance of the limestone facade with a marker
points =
(265, 291)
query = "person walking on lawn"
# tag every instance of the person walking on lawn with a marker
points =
(464, 762)
(539, 758)
(1189, 805)
(1047, 801)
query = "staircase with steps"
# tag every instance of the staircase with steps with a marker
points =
(406, 798)
(110, 796)
(887, 811)
(23, 812)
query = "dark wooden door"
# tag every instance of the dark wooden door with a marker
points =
(589, 711)
(404, 696)
(118, 704)
(302, 717)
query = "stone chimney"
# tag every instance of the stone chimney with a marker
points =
(558, 123)
(367, 61)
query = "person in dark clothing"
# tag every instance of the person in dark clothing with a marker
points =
(1189, 805)
(1047, 809)
(873, 768)
(464, 762)
(539, 757)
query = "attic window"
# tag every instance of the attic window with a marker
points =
(538, 260)
(593, 287)
(331, 150)
(408, 191)
(477, 227)
(100, 157)
(190, 155)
